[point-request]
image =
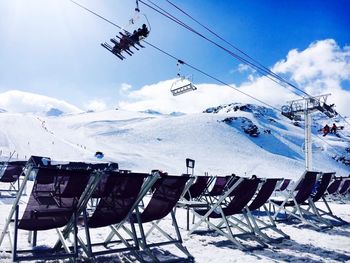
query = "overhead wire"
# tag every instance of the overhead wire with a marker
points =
(259, 67)
(177, 59)
(171, 17)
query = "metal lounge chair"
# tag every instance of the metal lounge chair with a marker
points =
(333, 187)
(119, 194)
(192, 198)
(327, 214)
(10, 173)
(223, 214)
(218, 188)
(319, 191)
(294, 198)
(161, 204)
(343, 190)
(51, 205)
(284, 185)
(266, 190)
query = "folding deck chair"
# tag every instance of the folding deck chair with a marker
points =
(10, 173)
(192, 198)
(218, 188)
(163, 201)
(51, 205)
(283, 186)
(31, 166)
(331, 189)
(266, 190)
(119, 194)
(343, 190)
(223, 214)
(293, 199)
(318, 192)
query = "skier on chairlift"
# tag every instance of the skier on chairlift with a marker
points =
(326, 130)
(144, 31)
(334, 128)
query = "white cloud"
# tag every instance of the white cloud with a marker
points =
(318, 69)
(19, 101)
(158, 97)
(322, 59)
(96, 105)
(125, 87)
(245, 68)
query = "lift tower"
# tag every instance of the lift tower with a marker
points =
(295, 109)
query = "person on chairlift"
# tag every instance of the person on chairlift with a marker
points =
(144, 31)
(334, 128)
(326, 130)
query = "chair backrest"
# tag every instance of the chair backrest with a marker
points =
(284, 185)
(164, 198)
(334, 186)
(243, 193)
(120, 192)
(305, 186)
(264, 193)
(106, 182)
(344, 188)
(322, 186)
(105, 166)
(197, 188)
(11, 171)
(219, 186)
(76, 166)
(47, 211)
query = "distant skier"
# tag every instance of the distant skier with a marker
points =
(326, 130)
(334, 128)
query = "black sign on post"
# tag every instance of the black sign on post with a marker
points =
(190, 164)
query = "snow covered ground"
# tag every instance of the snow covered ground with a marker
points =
(145, 141)
(142, 141)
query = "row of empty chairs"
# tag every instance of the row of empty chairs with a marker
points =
(72, 196)
(238, 207)
(60, 200)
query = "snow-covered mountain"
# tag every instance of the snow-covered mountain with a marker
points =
(236, 138)
(16, 101)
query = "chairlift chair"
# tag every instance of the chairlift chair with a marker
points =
(182, 84)
(137, 29)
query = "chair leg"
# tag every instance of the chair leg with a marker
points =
(15, 238)
(87, 233)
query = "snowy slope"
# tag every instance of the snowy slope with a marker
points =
(216, 139)
(143, 141)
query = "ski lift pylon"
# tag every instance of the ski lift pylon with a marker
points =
(182, 84)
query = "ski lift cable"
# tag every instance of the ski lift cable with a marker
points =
(179, 60)
(103, 18)
(227, 42)
(182, 62)
(260, 68)
(214, 78)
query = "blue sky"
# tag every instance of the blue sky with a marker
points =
(53, 47)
